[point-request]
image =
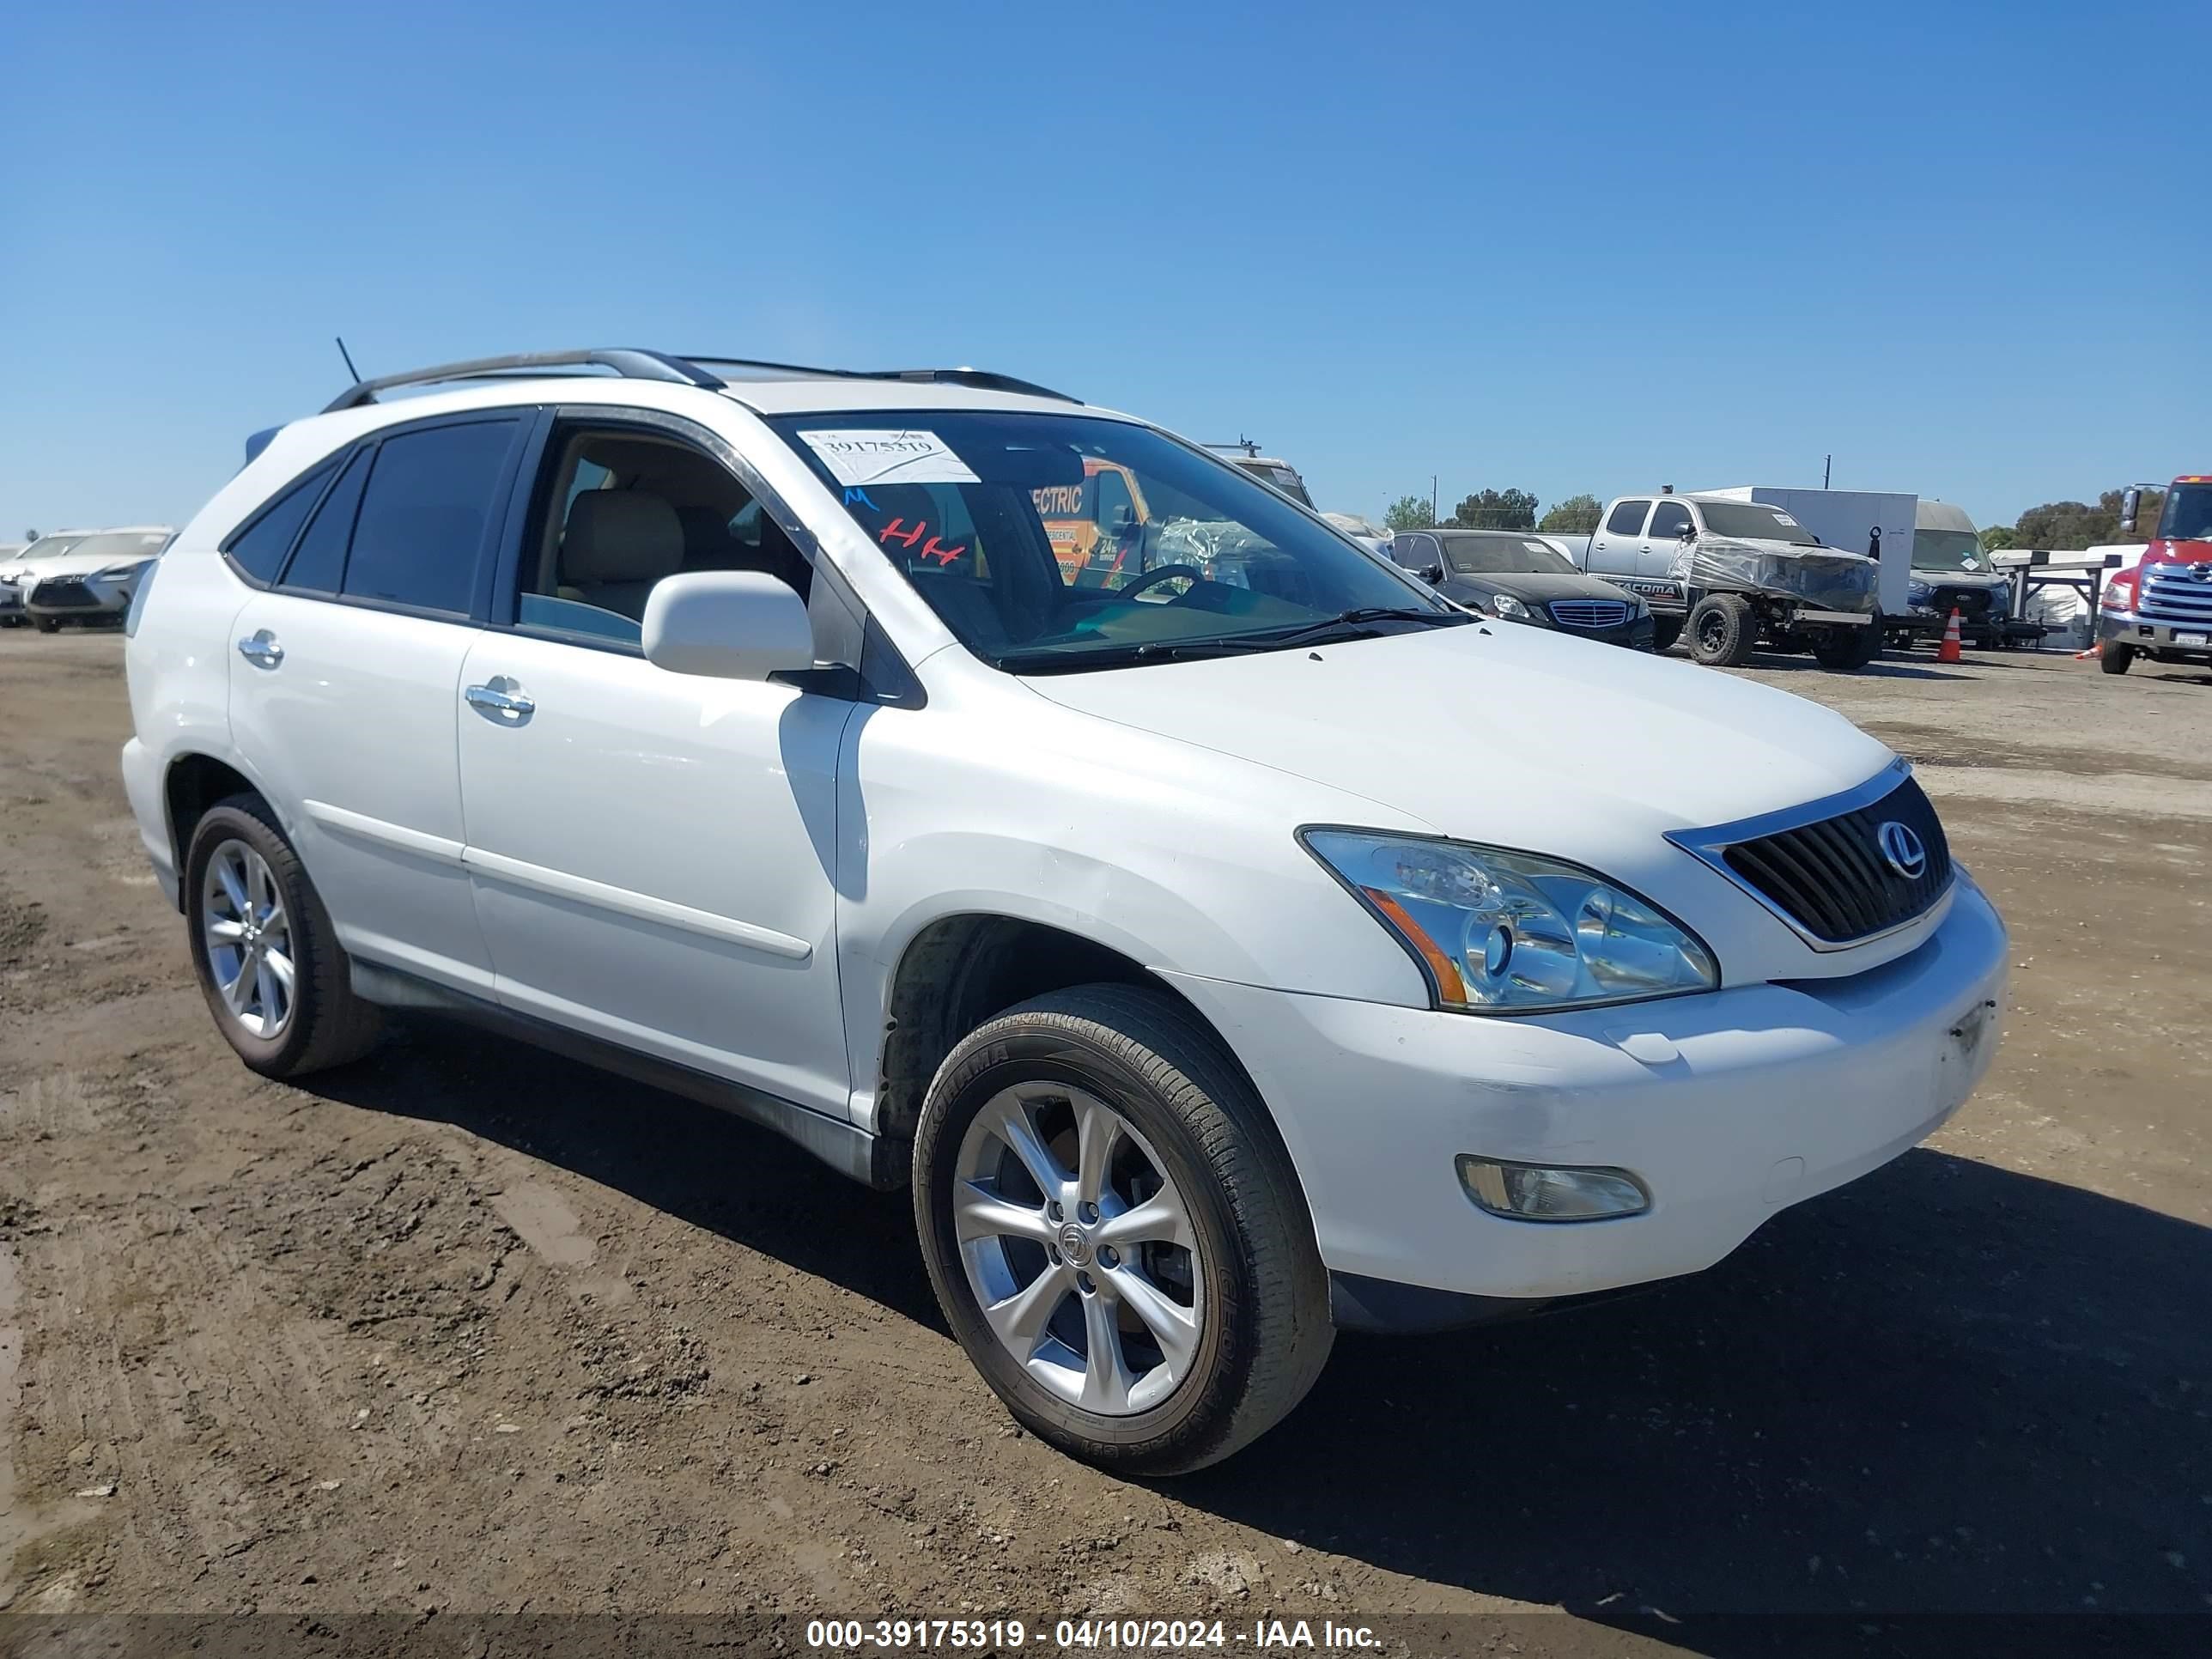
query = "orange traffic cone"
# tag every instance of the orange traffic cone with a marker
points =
(2096, 650)
(1948, 651)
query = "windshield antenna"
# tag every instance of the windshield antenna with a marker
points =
(348, 355)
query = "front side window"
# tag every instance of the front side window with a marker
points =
(1668, 521)
(2188, 515)
(1626, 519)
(1208, 558)
(429, 498)
(625, 509)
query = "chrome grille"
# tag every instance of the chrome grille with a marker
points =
(1829, 876)
(1587, 613)
(2171, 594)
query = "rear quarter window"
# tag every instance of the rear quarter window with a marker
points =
(424, 514)
(258, 551)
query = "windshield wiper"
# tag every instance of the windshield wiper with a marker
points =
(1050, 661)
(1348, 625)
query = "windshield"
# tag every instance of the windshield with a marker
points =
(48, 547)
(118, 547)
(1947, 549)
(1515, 555)
(1754, 521)
(1055, 541)
(2188, 516)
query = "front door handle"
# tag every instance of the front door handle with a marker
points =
(261, 649)
(503, 699)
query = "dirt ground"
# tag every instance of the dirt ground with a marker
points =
(467, 1329)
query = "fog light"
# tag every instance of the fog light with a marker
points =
(1529, 1192)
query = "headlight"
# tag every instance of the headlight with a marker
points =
(1506, 605)
(117, 572)
(1499, 931)
(1919, 592)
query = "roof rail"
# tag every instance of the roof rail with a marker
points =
(628, 364)
(982, 378)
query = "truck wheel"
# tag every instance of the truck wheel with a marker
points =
(1722, 630)
(1116, 1234)
(266, 955)
(1846, 649)
(1665, 630)
(2116, 659)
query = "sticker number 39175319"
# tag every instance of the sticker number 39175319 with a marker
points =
(857, 459)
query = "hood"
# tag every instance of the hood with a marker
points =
(2170, 552)
(1534, 588)
(1952, 576)
(1517, 736)
(74, 563)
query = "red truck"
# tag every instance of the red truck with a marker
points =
(2161, 610)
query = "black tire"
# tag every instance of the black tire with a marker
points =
(328, 1025)
(1665, 630)
(2116, 659)
(1265, 1332)
(48, 624)
(1722, 630)
(1845, 649)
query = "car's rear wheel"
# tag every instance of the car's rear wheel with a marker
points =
(1845, 648)
(1722, 630)
(1116, 1234)
(262, 946)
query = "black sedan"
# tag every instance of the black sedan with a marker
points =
(1514, 576)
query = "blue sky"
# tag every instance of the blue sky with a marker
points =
(1595, 247)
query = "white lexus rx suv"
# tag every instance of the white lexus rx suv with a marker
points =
(737, 726)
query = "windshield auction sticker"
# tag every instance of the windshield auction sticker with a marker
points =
(857, 459)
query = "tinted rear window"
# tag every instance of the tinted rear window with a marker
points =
(260, 552)
(1627, 518)
(424, 513)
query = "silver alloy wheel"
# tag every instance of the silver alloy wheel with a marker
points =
(1078, 1249)
(248, 937)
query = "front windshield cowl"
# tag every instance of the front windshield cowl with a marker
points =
(1061, 541)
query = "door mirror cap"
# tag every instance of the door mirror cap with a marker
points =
(1688, 532)
(2131, 505)
(728, 625)
(1430, 574)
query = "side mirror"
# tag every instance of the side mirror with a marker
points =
(1430, 574)
(1688, 532)
(726, 624)
(2130, 504)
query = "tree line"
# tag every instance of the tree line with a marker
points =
(1497, 509)
(2065, 526)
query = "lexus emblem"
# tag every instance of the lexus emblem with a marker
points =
(1902, 847)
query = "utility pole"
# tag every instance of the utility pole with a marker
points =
(1432, 498)
(1827, 462)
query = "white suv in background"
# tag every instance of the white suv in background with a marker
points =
(735, 726)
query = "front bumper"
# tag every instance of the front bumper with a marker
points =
(1637, 633)
(1728, 1106)
(2125, 628)
(81, 598)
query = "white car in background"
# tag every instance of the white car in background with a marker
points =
(735, 726)
(91, 580)
(18, 569)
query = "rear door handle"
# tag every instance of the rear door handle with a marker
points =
(261, 649)
(503, 699)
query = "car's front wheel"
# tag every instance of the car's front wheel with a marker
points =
(266, 955)
(1114, 1232)
(2116, 659)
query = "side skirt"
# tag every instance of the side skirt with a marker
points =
(846, 1148)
